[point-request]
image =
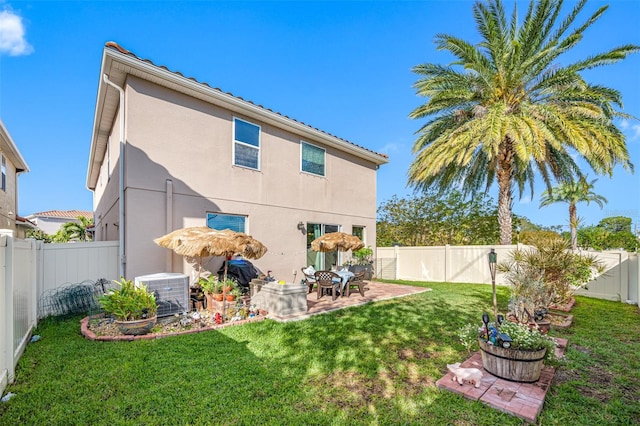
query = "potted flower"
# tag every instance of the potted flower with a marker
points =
(510, 350)
(133, 307)
(211, 288)
(234, 294)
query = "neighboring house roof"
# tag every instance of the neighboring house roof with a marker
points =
(118, 62)
(23, 221)
(62, 214)
(10, 149)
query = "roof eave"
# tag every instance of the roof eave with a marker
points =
(214, 96)
(17, 159)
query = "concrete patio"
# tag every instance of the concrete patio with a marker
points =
(376, 291)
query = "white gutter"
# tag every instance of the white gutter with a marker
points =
(120, 177)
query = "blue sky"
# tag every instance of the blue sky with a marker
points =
(343, 67)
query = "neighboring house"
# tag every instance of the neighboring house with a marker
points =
(169, 152)
(51, 221)
(11, 165)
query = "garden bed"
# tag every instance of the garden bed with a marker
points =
(559, 319)
(99, 327)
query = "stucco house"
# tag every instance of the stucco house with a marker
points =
(50, 221)
(169, 152)
(11, 165)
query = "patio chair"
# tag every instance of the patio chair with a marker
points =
(328, 280)
(356, 281)
(309, 279)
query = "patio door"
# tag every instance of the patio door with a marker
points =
(321, 261)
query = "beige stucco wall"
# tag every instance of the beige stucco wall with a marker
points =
(170, 136)
(8, 198)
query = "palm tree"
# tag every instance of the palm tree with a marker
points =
(507, 108)
(573, 193)
(74, 231)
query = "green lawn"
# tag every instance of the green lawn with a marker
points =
(375, 364)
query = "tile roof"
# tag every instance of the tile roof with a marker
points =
(116, 46)
(71, 214)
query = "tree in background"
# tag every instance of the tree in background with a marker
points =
(39, 234)
(433, 219)
(610, 233)
(572, 193)
(507, 107)
(74, 231)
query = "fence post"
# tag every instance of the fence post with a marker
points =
(7, 278)
(6, 322)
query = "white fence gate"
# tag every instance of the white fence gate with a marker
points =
(28, 268)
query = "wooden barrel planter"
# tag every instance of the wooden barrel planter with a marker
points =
(512, 364)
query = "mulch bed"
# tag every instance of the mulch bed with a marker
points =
(99, 327)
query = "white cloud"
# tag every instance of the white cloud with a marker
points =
(389, 148)
(624, 124)
(632, 130)
(635, 132)
(12, 35)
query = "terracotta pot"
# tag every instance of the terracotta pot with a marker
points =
(230, 297)
(218, 297)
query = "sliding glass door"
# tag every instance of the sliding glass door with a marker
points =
(321, 261)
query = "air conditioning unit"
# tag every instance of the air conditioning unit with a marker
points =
(171, 291)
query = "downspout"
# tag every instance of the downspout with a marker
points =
(120, 177)
(168, 226)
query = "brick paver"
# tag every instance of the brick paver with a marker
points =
(524, 400)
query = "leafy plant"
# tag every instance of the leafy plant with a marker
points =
(210, 284)
(548, 273)
(468, 335)
(128, 302)
(364, 256)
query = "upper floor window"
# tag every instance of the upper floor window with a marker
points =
(4, 172)
(246, 144)
(221, 221)
(313, 159)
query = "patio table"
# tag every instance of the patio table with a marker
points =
(345, 276)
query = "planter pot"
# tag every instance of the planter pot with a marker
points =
(368, 270)
(230, 298)
(544, 326)
(512, 364)
(565, 308)
(560, 320)
(218, 297)
(138, 327)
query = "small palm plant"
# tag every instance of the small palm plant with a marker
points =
(129, 302)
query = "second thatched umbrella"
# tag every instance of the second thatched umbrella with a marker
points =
(336, 241)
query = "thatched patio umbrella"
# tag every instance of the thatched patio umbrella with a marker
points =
(201, 241)
(336, 241)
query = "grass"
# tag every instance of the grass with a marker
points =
(374, 364)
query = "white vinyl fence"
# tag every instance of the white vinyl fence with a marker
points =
(28, 269)
(469, 264)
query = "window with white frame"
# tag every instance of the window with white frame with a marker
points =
(312, 159)
(4, 172)
(246, 144)
(358, 231)
(221, 221)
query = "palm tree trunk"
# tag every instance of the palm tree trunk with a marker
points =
(573, 224)
(505, 196)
